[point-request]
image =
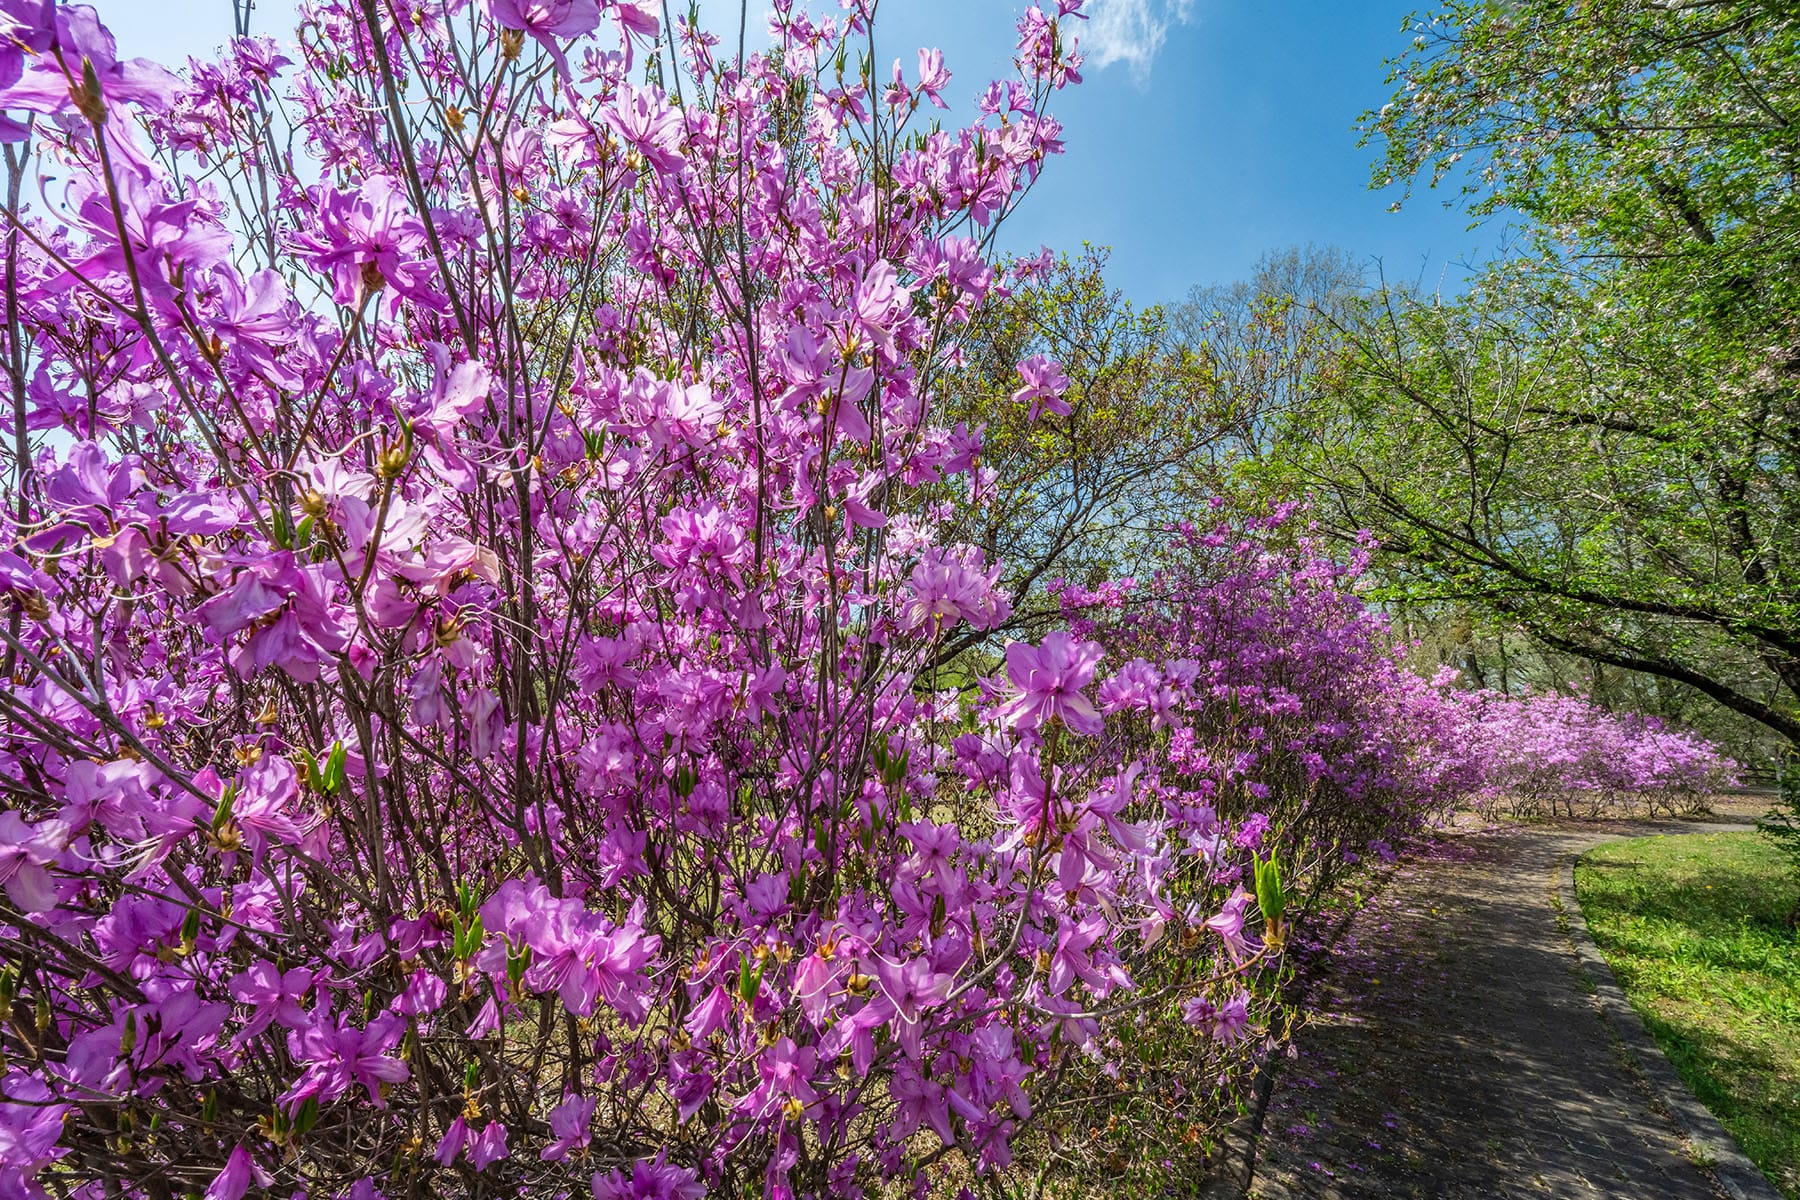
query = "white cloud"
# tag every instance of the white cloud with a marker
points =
(1130, 31)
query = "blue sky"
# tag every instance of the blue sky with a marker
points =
(1207, 132)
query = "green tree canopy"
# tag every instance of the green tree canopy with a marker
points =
(1600, 443)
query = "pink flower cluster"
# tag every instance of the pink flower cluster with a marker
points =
(1253, 637)
(1546, 753)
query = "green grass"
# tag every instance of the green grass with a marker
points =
(1695, 928)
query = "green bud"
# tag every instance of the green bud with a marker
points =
(1269, 895)
(331, 779)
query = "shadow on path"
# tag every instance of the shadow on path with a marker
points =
(1463, 1055)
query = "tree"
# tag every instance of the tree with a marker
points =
(1266, 344)
(1518, 457)
(1599, 443)
(1085, 493)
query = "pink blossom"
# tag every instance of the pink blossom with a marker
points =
(272, 995)
(339, 1055)
(547, 21)
(1048, 679)
(569, 1121)
(26, 853)
(1228, 923)
(649, 1179)
(369, 239)
(240, 1172)
(950, 586)
(933, 78)
(1044, 384)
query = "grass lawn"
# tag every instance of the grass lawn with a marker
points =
(1694, 927)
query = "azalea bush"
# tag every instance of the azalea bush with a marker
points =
(1271, 715)
(1549, 754)
(472, 594)
(461, 731)
(1271, 712)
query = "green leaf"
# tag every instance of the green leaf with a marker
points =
(1269, 895)
(222, 812)
(750, 981)
(309, 771)
(331, 779)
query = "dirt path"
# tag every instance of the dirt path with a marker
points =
(1466, 1058)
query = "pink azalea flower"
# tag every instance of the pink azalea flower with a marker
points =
(548, 22)
(1043, 386)
(338, 1056)
(785, 1072)
(1048, 679)
(239, 1173)
(650, 1179)
(1228, 1022)
(1228, 923)
(369, 239)
(30, 1127)
(272, 995)
(912, 988)
(25, 854)
(948, 587)
(569, 1122)
(933, 78)
(488, 1146)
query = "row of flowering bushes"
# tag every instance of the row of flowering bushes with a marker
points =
(471, 603)
(1549, 754)
(1270, 705)
(1276, 724)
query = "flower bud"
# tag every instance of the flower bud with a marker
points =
(391, 462)
(227, 839)
(86, 95)
(34, 605)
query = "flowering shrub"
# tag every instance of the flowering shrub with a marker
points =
(1284, 741)
(462, 611)
(1549, 753)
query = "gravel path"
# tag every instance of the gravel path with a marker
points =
(1467, 1058)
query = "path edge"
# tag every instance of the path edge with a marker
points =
(1740, 1177)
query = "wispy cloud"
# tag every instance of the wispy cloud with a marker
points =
(1130, 31)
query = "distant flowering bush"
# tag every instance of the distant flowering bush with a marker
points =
(1546, 754)
(1276, 723)
(1267, 709)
